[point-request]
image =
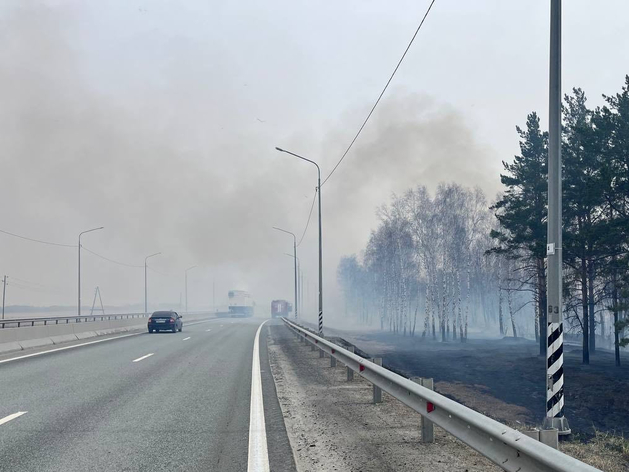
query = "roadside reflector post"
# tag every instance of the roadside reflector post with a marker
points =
(377, 391)
(350, 372)
(550, 437)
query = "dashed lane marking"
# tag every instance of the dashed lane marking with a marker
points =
(6, 419)
(143, 357)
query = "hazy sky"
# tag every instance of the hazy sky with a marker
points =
(158, 120)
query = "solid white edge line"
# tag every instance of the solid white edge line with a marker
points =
(143, 357)
(6, 419)
(258, 451)
(208, 330)
(67, 347)
(185, 339)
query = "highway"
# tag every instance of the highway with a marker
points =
(145, 402)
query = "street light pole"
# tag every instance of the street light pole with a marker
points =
(88, 231)
(146, 296)
(189, 268)
(554, 347)
(297, 288)
(4, 292)
(295, 262)
(320, 242)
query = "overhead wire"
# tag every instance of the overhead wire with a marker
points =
(111, 260)
(37, 240)
(309, 216)
(381, 93)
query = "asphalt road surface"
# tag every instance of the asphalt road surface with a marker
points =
(146, 402)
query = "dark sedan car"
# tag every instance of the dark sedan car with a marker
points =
(165, 321)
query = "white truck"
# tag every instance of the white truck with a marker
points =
(240, 303)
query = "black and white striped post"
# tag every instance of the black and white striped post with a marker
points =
(554, 353)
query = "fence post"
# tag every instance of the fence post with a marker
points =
(377, 391)
(350, 372)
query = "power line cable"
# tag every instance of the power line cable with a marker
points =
(37, 240)
(381, 94)
(110, 260)
(309, 216)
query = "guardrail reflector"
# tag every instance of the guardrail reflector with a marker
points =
(362, 367)
(430, 407)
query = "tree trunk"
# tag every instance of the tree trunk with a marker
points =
(500, 318)
(536, 316)
(615, 310)
(584, 308)
(510, 302)
(592, 323)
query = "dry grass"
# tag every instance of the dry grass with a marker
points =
(604, 451)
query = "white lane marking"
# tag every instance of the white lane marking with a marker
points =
(6, 419)
(67, 347)
(258, 452)
(143, 357)
(208, 330)
(185, 339)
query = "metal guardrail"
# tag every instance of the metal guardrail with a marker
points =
(504, 446)
(21, 322)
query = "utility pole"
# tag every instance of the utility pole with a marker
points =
(97, 294)
(554, 348)
(4, 292)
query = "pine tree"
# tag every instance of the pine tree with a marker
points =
(522, 211)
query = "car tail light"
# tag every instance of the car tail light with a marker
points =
(172, 320)
(150, 320)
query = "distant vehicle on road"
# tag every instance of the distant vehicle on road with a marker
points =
(165, 321)
(240, 303)
(280, 308)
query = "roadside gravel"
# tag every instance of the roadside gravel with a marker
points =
(332, 424)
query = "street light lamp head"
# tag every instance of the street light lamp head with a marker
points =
(279, 149)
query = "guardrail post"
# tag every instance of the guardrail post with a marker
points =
(332, 361)
(532, 434)
(377, 391)
(312, 347)
(427, 427)
(350, 372)
(321, 353)
(550, 437)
